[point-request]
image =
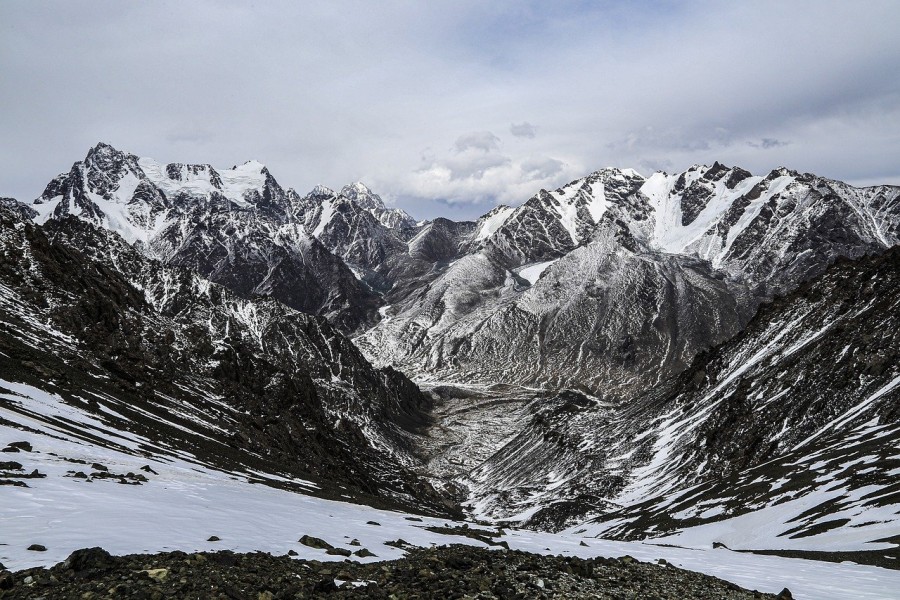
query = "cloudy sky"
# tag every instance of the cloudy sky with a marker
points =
(448, 108)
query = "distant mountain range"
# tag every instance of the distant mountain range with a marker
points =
(675, 350)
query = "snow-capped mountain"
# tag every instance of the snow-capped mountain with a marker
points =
(595, 356)
(616, 278)
(642, 273)
(235, 226)
(362, 196)
(246, 385)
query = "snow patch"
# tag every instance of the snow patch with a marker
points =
(533, 272)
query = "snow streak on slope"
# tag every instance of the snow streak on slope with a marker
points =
(183, 502)
(492, 221)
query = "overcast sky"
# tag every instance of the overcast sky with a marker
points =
(448, 108)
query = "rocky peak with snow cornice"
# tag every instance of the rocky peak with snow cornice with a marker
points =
(236, 226)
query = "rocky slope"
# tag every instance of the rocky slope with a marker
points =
(242, 384)
(793, 423)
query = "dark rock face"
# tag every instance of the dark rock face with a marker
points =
(697, 194)
(231, 248)
(255, 376)
(24, 211)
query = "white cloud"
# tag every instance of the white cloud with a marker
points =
(479, 173)
(523, 129)
(477, 140)
(332, 92)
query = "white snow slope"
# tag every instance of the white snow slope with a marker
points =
(186, 502)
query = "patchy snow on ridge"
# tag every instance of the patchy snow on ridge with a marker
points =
(185, 502)
(669, 234)
(493, 221)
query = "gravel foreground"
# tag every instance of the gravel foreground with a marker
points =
(442, 572)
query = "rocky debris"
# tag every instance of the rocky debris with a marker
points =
(147, 469)
(35, 474)
(159, 575)
(314, 542)
(6, 580)
(482, 535)
(442, 572)
(126, 478)
(14, 447)
(13, 483)
(213, 538)
(37, 548)
(88, 559)
(401, 544)
(10, 465)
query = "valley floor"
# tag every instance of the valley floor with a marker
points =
(187, 506)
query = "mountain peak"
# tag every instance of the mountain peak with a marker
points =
(360, 194)
(320, 191)
(251, 165)
(103, 152)
(102, 147)
(618, 172)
